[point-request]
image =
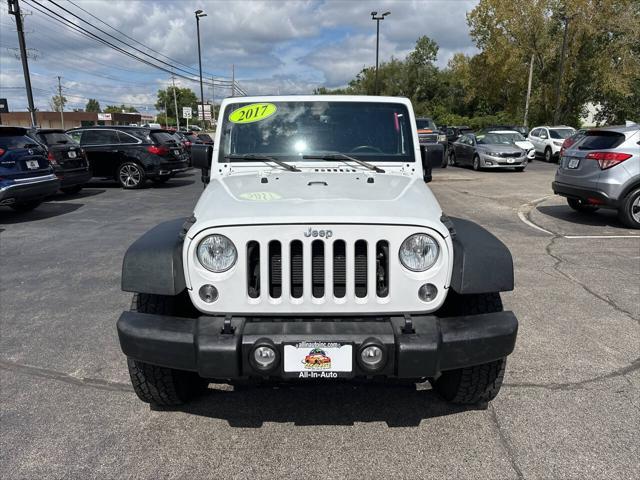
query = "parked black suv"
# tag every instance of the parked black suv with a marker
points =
(131, 155)
(68, 160)
(26, 177)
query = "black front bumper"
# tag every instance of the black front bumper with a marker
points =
(199, 345)
(587, 195)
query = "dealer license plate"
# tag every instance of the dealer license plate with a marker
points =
(72, 154)
(32, 164)
(318, 360)
(573, 163)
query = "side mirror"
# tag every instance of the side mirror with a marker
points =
(201, 157)
(426, 164)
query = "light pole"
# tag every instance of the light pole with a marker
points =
(374, 16)
(14, 9)
(199, 14)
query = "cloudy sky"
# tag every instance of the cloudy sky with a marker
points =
(277, 46)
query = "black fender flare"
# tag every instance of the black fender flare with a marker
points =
(153, 263)
(481, 262)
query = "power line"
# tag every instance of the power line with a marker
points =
(69, 24)
(133, 39)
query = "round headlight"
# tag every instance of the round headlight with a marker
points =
(419, 252)
(217, 253)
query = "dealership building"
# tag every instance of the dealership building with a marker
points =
(74, 119)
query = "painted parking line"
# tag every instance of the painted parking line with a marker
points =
(525, 209)
(601, 236)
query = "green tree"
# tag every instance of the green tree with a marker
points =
(185, 97)
(57, 103)
(92, 106)
(120, 109)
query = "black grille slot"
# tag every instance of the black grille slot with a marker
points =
(339, 269)
(275, 269)
(361, 268)
(382, 268)
(253, 269)
(296, 269)
(317, 268)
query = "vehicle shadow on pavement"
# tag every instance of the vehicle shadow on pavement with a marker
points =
(172, 183)
(322, 404)
(42, 212)
(601, 218)
(84, 193)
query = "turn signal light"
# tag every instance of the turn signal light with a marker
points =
(608, 159)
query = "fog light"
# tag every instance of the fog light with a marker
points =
(427, 292)
(372, 356)
(208, 293)
(264, 357)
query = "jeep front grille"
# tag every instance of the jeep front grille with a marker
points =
(332, 267)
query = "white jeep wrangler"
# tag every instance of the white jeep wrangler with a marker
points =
(316, 251)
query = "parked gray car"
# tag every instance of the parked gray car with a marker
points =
(602, 170)
(490, 150)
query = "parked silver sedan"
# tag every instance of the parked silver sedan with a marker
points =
(602, 170)
(490, 150)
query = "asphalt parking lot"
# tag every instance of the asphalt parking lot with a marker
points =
(570, 407)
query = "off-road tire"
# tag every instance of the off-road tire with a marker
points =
(25, 206)
(164, 386)
(548, 155)
(160, 385)
(130, 175)
(580, 206)
(471, 385)
(71, 190)
(476, 163)
(628, 208)
(479, 383)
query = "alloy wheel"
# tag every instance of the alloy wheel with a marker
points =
(130, 175)
(635, 209)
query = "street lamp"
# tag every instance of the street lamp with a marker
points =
(374, 16)
(199, 14)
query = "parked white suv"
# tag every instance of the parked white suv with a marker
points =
(547, 141)
(316, 251)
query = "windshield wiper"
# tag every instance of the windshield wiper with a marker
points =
(264, 158)
(342, 156)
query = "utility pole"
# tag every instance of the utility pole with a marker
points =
(213, 99)
(175, 102)
(374, 16)
(14, 9)
(166, 117)
(60, 102)
(556, 113)
(199, 14)
(526, 105)
(233, 80)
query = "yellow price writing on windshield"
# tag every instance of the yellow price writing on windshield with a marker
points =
(253, 113)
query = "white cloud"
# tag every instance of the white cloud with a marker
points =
(286, 46)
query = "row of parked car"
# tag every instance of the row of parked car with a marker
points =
(35, 163)
(597, 168)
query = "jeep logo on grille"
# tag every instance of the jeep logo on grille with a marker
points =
(318, 233)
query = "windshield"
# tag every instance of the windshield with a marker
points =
(498, 138)
(288, 130)
(510, 137)
(425, 124)
(561, 133)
